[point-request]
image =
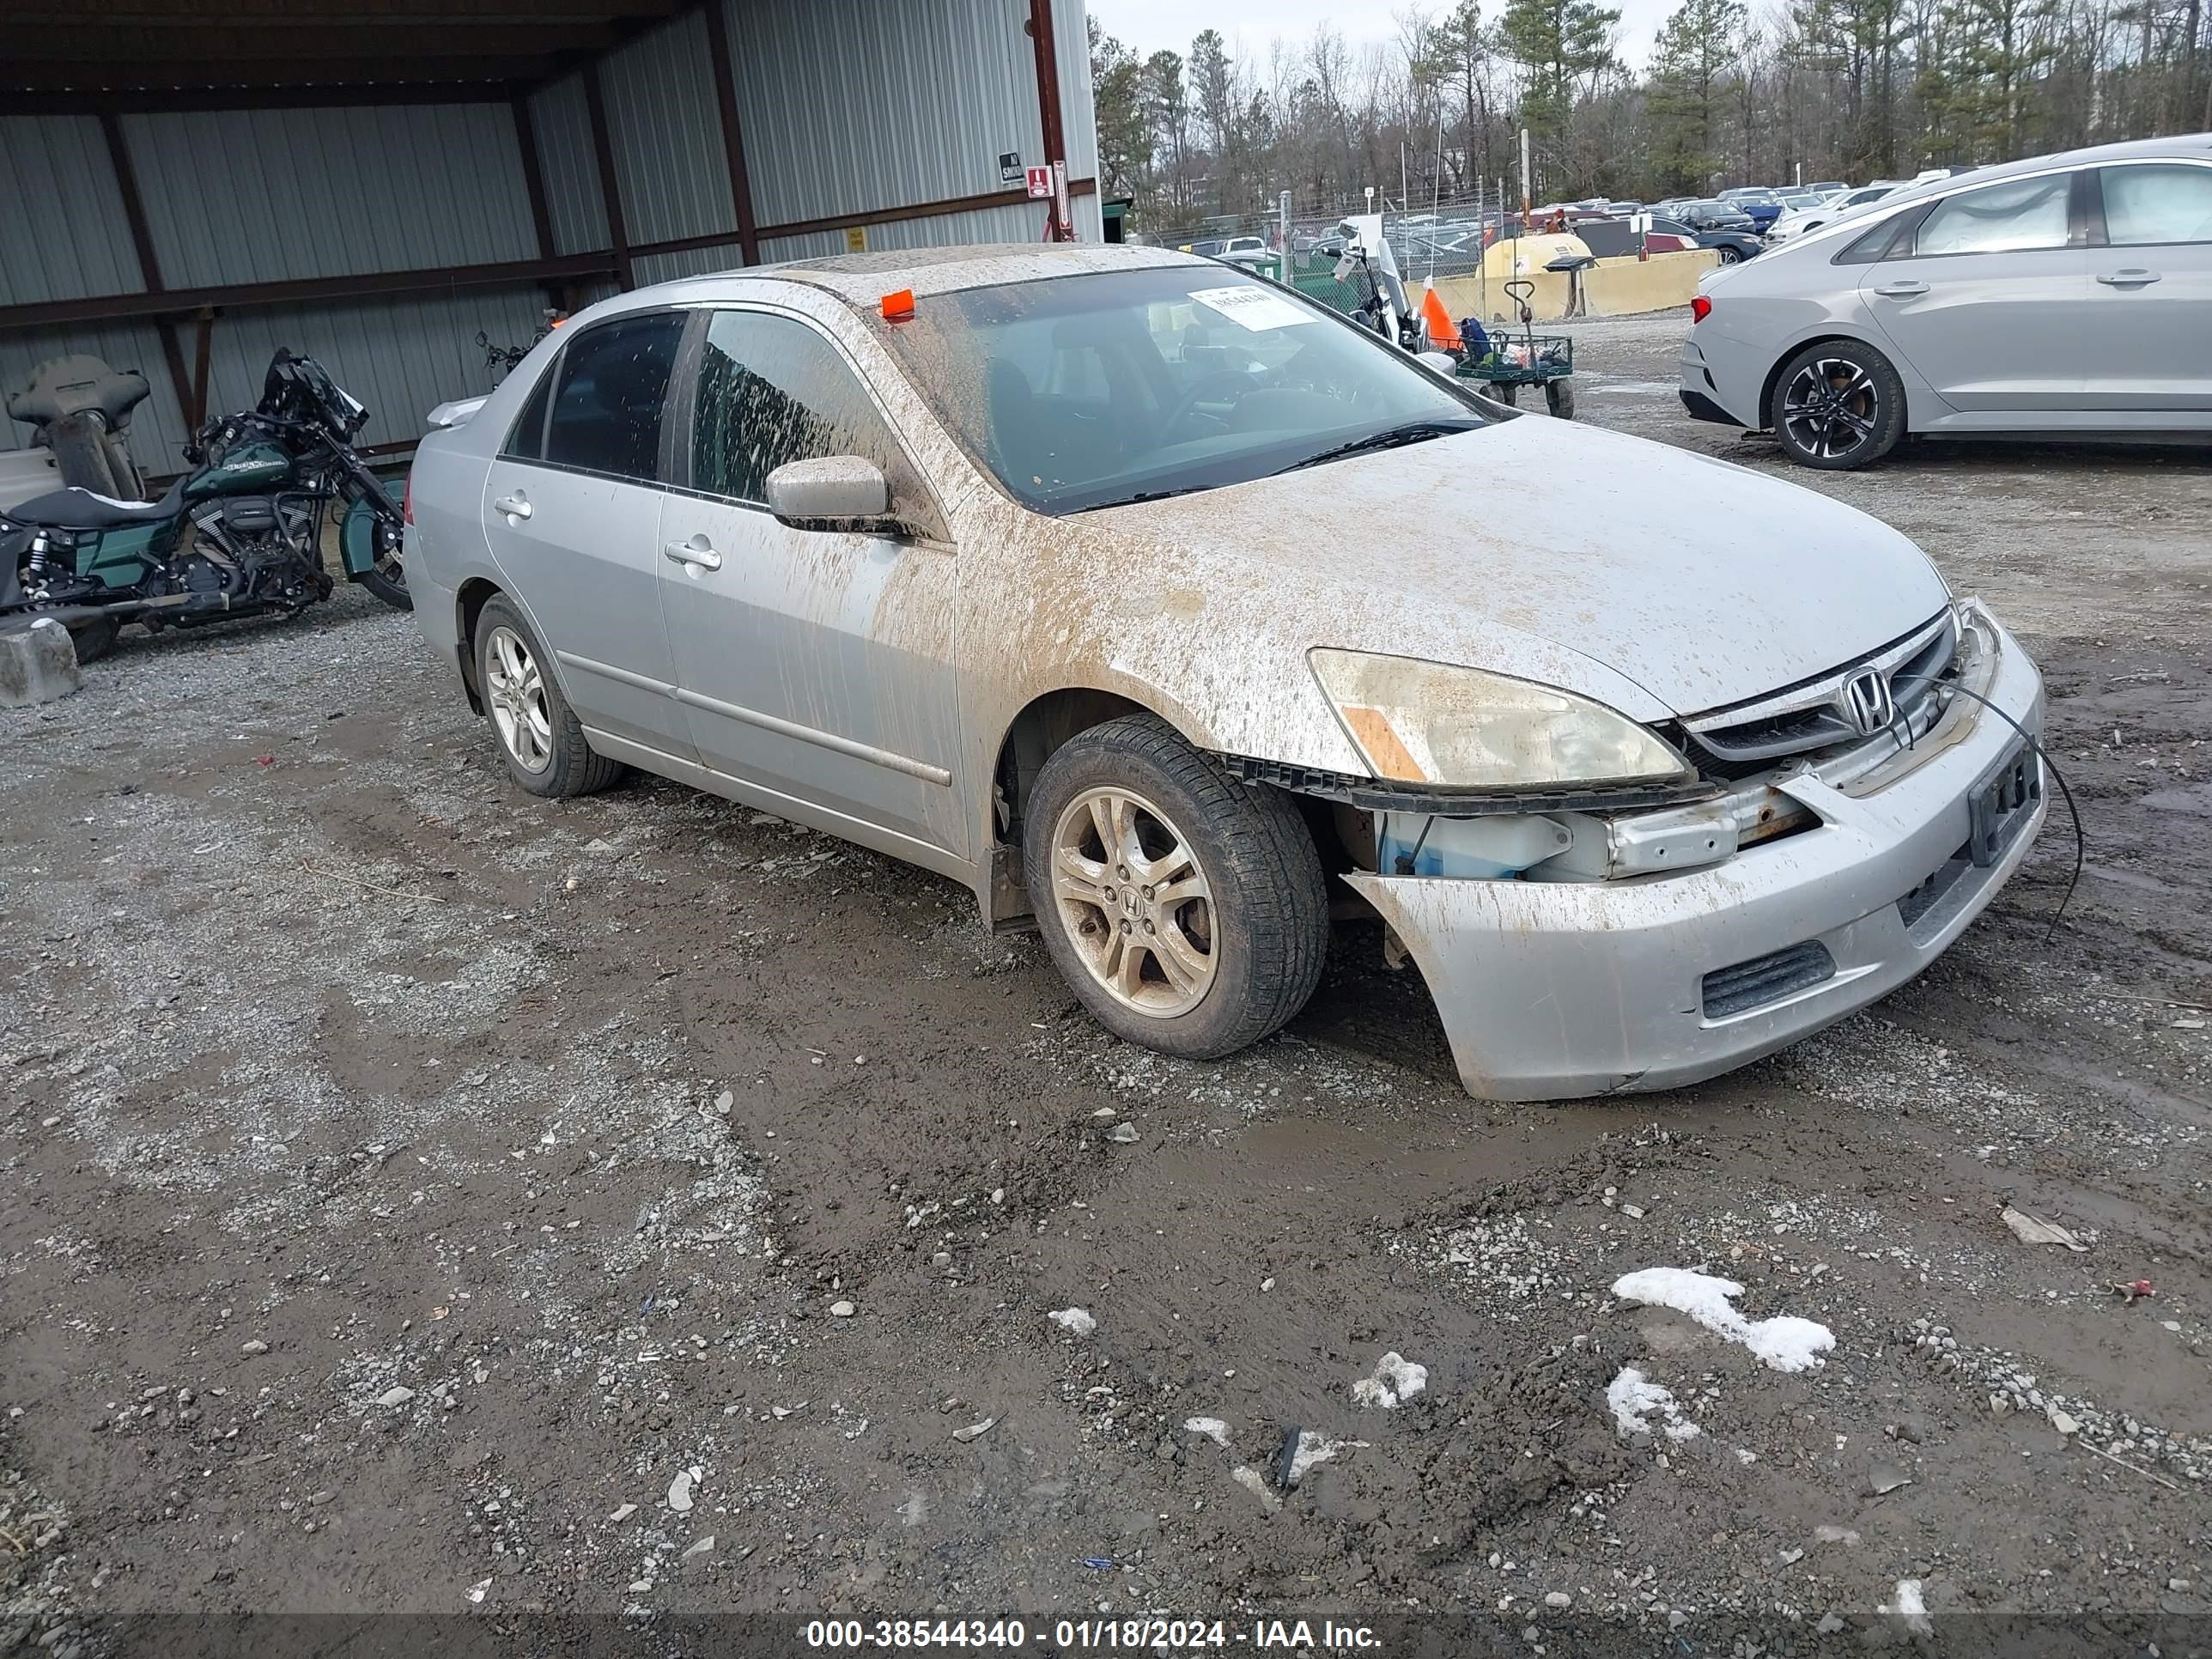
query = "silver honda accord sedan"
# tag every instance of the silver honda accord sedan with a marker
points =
(1165, 611)
(2062, 296)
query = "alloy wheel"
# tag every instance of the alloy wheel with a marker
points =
(1831, 408)
(1135, 903)
(515, 690)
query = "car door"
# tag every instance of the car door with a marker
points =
(2150, 306)
(572, 514)
(1983, 295)
(814, 666)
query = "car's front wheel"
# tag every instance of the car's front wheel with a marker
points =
(1836, 405)
(1186, 910)
(1730, 256)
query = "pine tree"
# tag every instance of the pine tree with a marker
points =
(1563, 46)
(1696, 50)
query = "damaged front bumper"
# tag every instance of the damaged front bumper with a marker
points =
(1551, 989)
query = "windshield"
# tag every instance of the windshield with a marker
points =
(1078, 392)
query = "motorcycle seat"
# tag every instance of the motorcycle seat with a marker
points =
(82, 509)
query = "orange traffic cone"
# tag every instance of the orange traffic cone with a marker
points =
(1443, 333)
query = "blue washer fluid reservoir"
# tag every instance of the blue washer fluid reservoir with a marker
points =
(1471, 849)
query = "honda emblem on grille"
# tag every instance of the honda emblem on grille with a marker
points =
(1866, 702)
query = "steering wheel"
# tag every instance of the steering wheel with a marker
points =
(1236, 379)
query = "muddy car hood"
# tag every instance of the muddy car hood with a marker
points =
(1533, 544)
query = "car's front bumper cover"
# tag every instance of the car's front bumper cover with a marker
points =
(1549, 990)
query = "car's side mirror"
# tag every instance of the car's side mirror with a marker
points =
(1440, 363)
(835, 492)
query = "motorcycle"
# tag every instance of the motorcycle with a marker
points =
(239, 536)
(500, 359)
(79, 409)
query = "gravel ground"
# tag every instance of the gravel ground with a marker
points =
(421, 1198)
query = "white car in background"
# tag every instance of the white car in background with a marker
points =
(1796, 222)
(2064, 295)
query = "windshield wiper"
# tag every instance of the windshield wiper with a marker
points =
(1412, 432)
(1141, 496)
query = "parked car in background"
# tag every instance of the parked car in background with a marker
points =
(1715, 215)
(1666, 235)
(2063, 294)
(1829, 187)
(950, 553)
(1794, 224)
(1234, 250)
(1761, 207)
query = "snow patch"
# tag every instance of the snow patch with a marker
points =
(1211, 1427)
(1074, 1321)
(1313, 1448)
(1634, 1398)
(1396, 1380)
(1784, 1343)
(1911, 1608)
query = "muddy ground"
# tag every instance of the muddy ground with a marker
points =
(406, 1182)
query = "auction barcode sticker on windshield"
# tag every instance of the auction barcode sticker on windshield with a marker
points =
(1251, 306)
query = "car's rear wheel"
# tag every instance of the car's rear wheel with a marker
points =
(1836, 405)
(1730, 256)
(540, 738)
(1186, 910)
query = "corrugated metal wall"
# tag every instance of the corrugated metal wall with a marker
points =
(270, 196)
(330, 192)
(848, 108)
(664, 127)
(60, 212)
(562, 125)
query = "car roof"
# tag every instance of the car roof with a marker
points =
(2196, 146)
(863, 279)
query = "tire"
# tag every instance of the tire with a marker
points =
(1560, 398)
(1507, 394)
(1211, 973)
(80, 456)
(1730, 256)
(391, 588)
(1840, 389)
(387, 580)
(538, 735)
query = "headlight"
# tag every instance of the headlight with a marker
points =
(1464, 728)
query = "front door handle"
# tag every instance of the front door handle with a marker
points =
(1901, 290)
(2132, 276)
(697, 552)
(515, 506)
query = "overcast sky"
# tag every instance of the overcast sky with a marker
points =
(1149, 25)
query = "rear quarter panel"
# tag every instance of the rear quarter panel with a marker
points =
(1767, 309)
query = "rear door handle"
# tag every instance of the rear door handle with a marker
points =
(515, 506)
(1901, 290)
(2133, 276)
(696, 551)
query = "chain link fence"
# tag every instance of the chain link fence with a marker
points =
(1443, 239)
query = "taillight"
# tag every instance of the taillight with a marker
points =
(1700, 308)
(407, 495)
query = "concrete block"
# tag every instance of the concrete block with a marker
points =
(38, 665)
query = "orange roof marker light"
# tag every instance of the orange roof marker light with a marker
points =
(898, 304)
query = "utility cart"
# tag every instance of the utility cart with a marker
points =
(1528, 359)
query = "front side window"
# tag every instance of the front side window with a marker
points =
(2015, 217)
(607, 406)
(772, 390)
(1086, 391)
(2148, 205)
